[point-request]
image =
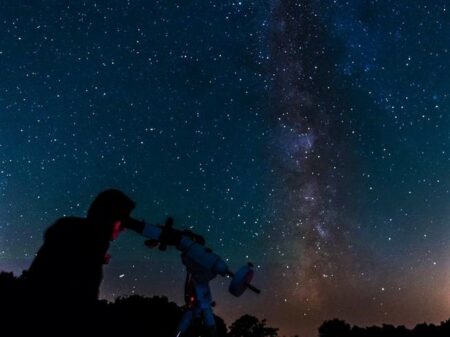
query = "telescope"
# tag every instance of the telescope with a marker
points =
(202, 265)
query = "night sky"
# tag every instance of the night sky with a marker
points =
(311, 138)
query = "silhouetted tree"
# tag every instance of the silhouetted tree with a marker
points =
(249, 326)
(445, 328)
(401, 331)
(8, 285)
(334, 328)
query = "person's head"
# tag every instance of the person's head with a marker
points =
(108, 210)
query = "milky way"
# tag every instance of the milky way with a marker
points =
(324, 265)
(314, 244)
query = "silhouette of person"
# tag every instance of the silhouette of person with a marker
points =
(68, 268)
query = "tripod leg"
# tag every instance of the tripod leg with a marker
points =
(210, 322)
(186, 320)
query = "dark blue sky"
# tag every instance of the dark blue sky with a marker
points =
(309, 137)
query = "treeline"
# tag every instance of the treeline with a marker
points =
(137, 316)
(339, 328)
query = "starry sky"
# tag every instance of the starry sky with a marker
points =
(311, 138)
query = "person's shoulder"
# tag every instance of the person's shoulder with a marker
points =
(66, 226)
